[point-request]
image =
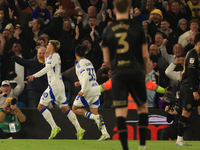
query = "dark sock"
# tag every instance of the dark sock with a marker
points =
(122, 131)
(143, 125)
(182, 125)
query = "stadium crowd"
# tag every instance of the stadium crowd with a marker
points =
(26, 26)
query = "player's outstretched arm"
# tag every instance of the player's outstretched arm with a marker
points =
(106, 56)
(145, 56)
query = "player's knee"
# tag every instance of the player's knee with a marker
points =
(74, 109)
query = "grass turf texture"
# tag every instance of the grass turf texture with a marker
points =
(6, 144)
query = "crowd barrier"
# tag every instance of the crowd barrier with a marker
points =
(38, 128)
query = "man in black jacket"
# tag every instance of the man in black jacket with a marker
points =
(35, 88)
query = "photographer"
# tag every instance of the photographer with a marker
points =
(10, 118)
(173, 114)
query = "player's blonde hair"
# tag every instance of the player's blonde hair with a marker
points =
(56, 44)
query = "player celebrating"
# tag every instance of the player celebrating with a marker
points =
(90, 91)
(189, 88)
(125, 51)
(55, 91)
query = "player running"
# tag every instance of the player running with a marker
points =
(55, 91)
(90, 91)
(189, 88)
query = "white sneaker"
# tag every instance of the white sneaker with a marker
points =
(98, 121)
(182, 143)
(104, 137)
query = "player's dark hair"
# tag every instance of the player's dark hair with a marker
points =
(121, 5)
(80, 50)
(197, 38)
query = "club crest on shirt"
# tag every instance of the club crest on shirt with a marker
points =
(45, 94)
(191, 60)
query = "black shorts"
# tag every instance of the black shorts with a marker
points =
(188, 99)
(121, 86)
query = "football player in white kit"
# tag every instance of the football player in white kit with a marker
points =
(55, 91)
(90, 91)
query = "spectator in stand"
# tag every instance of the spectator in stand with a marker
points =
(93, 53)
(173, 39)
(178, 51)
(50, 9)
(27, 6)
(175, 14)
(41, 12)
(24, 10)
(173, 74)
(188, 36)
(66, 50)
(170, 58)
(46, 37)
(164, 28)
(91, 25)
(16, 38)
(40, 43)
(6, 34)
(154, 50)
(37, 87)
(154, 22)
(92, 11)
(6, 90)
(148, 36)
(4, 21)
(194, 7)
(149, 7)
(159, 39)
(11, 65)
(33, 31)
(10, 27)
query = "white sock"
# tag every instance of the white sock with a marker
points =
(89, 115)
(179, 138)
(73, 119)
(103, 130)
(48, 116)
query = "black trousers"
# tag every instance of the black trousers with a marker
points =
(172, 132)
(18, 135)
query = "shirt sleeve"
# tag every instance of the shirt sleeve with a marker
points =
(192, 66)
(51, 62)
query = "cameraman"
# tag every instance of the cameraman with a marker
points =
(10, 118)
(173, 114)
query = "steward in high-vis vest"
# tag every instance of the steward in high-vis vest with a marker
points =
(10, 119)
(131, 104)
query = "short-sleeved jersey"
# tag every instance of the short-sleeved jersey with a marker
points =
(124, 38)
(87, 77)
(52, 68)
(191, 71)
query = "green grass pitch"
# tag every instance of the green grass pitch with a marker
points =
(55, 144)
